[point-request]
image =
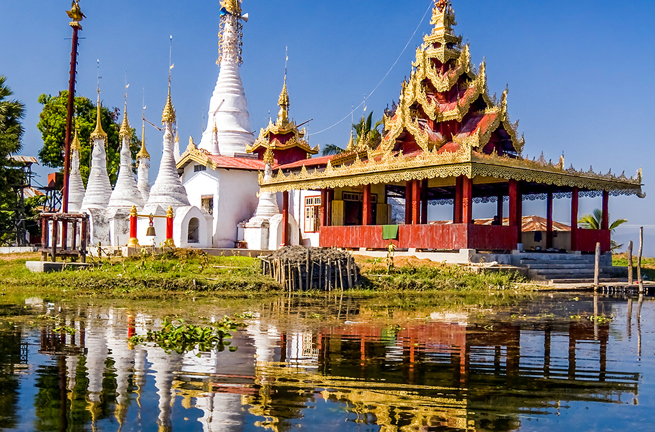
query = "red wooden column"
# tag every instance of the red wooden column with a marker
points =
(408, 202)
(324, 199)
(416, 202)
(457, 217)
(467, 200)
(367, 210)
(605, 223)
(574, 218)
(285, 218)
(328, 208)
(549, 220)
(499, 208)
(424, 202)
(514, 207)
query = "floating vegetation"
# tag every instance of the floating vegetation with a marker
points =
(183, 337)
(65, 329)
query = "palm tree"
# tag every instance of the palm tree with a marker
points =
(332, 149)
(595, 221)
(368, 133)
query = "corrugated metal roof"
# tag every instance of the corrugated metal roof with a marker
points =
(25, 159)
(227, 162)
(323, 160)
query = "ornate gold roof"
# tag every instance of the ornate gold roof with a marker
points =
(283, 126)
(169, 111)
(269, 158)
(98, 133)
(126, 130)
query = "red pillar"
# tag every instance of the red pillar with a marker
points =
(424, 202)
(367, 210)
(605, 223)
(467, 200)
(574, 218)
(169, 228)
(328, 208)
(514, 207)
(457, 217)
(408, 202)
(133, 242)
(549, 220)
(499, 208)
(416, 203)
(324, 199)
(285, 218)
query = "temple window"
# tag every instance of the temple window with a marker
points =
(312, 214)
(194, 231)
(198, 168)
(207, 203)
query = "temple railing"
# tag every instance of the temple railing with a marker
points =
(586, 239)
(437, 237)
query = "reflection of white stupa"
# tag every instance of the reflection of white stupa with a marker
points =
(164, 366)
(228, 108)
(123, 358)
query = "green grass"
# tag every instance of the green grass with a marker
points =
(647, 265)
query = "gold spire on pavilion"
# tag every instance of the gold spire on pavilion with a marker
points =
(169, 111)
(98, 133)
(443, 20)
(283, 102)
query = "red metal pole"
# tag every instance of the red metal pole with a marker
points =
(574, 218)
(549, 220)
(285, 218)
(605, 223)
(467, 200)
(366, 208)
(69, 119)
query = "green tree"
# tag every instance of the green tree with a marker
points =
(52, 124)
(332, 149)
(11, 132)
(595, 221)
(368, 133)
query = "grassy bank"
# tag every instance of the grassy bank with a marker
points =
(647, 265)
(186, 274)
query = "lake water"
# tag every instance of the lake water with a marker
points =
(335, 364)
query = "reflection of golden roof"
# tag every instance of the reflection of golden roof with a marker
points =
(282, 127)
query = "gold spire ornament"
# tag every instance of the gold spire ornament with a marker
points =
(232, 6)
(283, 102)
(75, 14)
(98, 133)
(143, 153)
(75, 145)
(126, 130)
(269, 158)
(169, 111)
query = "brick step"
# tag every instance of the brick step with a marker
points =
(583, 266)
(559, 274)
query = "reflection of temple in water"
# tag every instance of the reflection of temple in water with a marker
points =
(425, 375)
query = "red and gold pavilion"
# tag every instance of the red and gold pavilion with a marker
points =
(447, 140)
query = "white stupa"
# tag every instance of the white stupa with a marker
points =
(75, 183)
(98, 190)
(228, 108)
(126, 193)
(168, 190)
(267, 206)
(143, 161)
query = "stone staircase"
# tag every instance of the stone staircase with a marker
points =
(565, 268)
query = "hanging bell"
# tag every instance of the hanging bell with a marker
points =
(150, 232)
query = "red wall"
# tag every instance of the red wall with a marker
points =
(587, 239)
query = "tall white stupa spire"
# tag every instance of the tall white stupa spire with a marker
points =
(126, 192)
(98, 190)
(228, 108)
(76, 185)
(168, 190)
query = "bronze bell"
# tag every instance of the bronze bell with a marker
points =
(150, 232)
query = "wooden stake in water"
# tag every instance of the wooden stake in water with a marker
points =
(630, 263)
(597, 268)
(641, 251)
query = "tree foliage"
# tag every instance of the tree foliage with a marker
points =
(595, 221)
(11, 132)
(52, 124)
(367, 132)
(332, 149)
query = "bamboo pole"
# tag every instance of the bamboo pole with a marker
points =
(340, 276)
(300, 278)
(630, 263)
(597, 268)
(307, 282)
(311, 275)
(321, 282)
(328, 277)
(641, 251)
(348, 271)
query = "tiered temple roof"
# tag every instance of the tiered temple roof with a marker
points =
(445, 125)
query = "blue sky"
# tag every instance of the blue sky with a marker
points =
(579, 73)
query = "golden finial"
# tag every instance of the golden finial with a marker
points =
(75, 145)
(269, 159)
(232, 6)
(443, 18)
(143, 153)
(169, 112)
(169, 212)
(75, 14)
(126, 130)
(98, 133)
(191, 145)
(283, 102)
(351, 143)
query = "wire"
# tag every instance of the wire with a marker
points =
(383, 78)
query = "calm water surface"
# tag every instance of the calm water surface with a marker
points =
(336, 364)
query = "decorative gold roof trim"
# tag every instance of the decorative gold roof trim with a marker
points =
(425, 69)
(390, 169)
(193, 153)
